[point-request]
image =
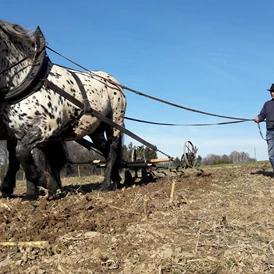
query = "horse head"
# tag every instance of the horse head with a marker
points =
(22, 55)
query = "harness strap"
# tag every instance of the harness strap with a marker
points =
(87, 107)
(122, 129)
(52, 86)
(95, 113)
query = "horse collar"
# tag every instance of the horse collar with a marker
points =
(33, 81)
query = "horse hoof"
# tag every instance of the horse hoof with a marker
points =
(7, 192)
(105, 186)
(120, 186)
(52, 197)
(114, 187)
(104, 189)
(6, 195)
(108, 187)
(30, 198)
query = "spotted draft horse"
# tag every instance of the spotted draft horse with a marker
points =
(43, 104)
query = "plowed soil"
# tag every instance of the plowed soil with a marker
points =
(215, 220)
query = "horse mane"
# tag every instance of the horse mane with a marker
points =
(15, 31)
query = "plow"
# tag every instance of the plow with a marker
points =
(146, 170)
(148, 167)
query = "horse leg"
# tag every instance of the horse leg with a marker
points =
(100, 143)
(56, 158)
(114, 158)
(115, 152)
(34, 175)
(109, 148)
(9, 181)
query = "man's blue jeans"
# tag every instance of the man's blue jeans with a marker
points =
(270, 144)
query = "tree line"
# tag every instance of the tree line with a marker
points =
(212, 159)
(83, 158)
(234, 157)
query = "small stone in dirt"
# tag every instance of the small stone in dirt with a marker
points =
(92, 234)
(98, 254)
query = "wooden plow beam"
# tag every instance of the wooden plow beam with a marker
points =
(130, 165)
(188, 158)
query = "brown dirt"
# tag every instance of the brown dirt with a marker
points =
(218, 221)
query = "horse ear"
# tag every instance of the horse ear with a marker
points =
(39, 39)
(39, 34)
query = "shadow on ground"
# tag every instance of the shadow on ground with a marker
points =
(263, 172)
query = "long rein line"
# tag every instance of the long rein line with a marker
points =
(151, 97)
(239, 120)
(181, 125)
(266, 139)
(37, 51)
(14, 65)
(142, 94)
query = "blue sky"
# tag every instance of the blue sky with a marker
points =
(214, 56)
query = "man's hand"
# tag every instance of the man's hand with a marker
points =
(256, 119)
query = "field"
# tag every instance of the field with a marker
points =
(219, 220)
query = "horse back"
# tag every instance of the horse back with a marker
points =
(103, 92)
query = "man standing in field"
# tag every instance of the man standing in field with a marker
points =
(267, 113)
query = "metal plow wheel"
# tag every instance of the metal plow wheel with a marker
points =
(188, 159)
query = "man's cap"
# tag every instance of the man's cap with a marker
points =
(271, 88)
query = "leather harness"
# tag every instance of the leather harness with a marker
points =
(37, 77)
(38, 71)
